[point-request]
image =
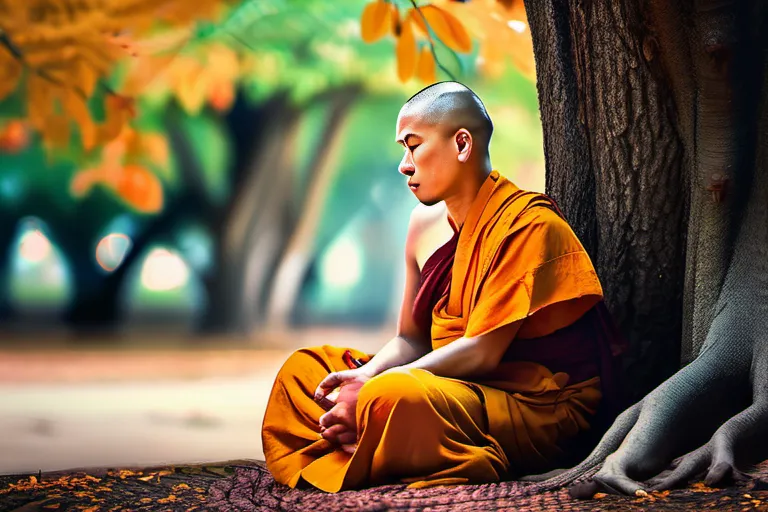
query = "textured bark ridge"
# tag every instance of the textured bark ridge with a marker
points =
(615, 165)
(717, 405)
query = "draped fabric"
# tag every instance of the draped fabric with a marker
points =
(514, 259)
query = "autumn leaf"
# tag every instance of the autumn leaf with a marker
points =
(406, 52)
(170, 499)
(140, 188)
(425, 69)
(701, 487)
(501, 33)
(77, 109)
(10, 72)
(119, 110)
(446, 27)
(492, 59)
(155, 147)
(68, 47)
(375, 21)
(13, 137)
(510, 4)
(394, 17)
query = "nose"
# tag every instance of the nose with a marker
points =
(406, 166)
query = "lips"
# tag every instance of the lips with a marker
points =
(413, 186)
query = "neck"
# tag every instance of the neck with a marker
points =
(458, 204)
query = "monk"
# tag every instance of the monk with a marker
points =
(503, 354)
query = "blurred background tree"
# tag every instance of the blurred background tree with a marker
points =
(230, 166)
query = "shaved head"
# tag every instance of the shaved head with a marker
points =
(450, 106)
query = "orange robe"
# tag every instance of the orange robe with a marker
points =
(516, 260)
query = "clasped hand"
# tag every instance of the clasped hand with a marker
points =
(339, 424)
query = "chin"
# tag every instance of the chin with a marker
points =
(429, 202)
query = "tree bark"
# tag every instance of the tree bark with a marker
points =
(609, 123)
(718, 403)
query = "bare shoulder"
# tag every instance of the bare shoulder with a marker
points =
(428, 229)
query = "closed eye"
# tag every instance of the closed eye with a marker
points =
(413, 147)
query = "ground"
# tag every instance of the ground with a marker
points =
(149, 421)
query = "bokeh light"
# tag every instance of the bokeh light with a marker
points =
(111, 250)
(164, 270)
(342, 265)
(34, 246)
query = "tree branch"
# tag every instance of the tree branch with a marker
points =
(431, 43)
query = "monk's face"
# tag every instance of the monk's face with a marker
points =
(430, 161)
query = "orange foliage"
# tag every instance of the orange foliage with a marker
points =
(204, 74)
(122, 173)
(69, 46)
(406, 51)
(502, 32)
(375, 21)
(425, 69)
(447, 28)
(381, 15)
(13, 137)
(500, 25)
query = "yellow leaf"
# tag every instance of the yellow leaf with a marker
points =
(77, 109)
(492, 59)
(375, 21)
(394, 17)
(191, 87)
(56, 132)
(406, 52)
(146, 478)
(425, 69)
(155, 146)
(86, 77)
(169, 499)
(39, 101)
(10, 71)
(446, 27)
(145, 500)
(119, 109)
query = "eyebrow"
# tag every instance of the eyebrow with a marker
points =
(405, 139)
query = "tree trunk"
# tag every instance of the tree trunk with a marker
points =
(264, 217)
(251, 232)
(652, 133)
(292, 267)
(615, 165)
(7, 237)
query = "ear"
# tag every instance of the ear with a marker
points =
(463, 140)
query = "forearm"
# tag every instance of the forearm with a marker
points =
(459, 358)
(397, 352)
(468, 356)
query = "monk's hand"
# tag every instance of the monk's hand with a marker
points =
(339, 423)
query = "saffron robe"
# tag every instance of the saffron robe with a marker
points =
(516, 260)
